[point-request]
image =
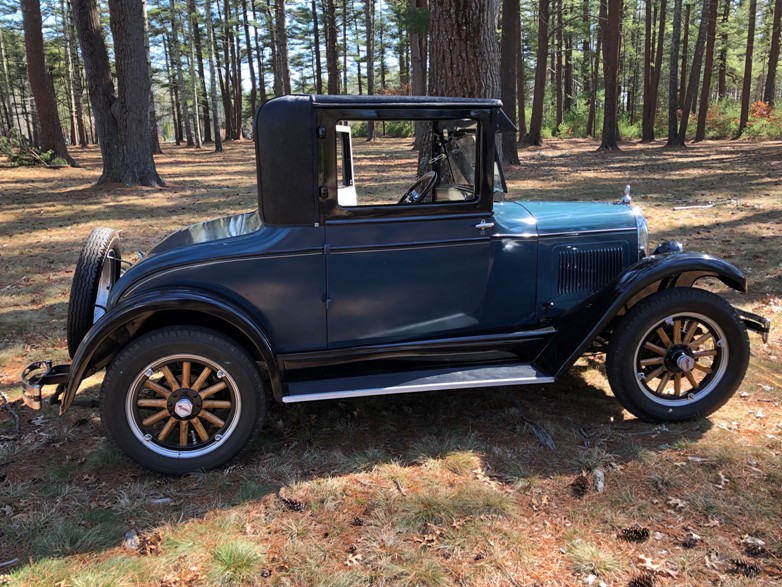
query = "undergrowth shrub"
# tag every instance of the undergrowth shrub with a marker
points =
(20, 153)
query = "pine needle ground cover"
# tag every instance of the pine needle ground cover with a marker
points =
(429, 489)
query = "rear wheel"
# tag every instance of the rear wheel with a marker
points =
(97, 270)
(677, 355)
(182, 399)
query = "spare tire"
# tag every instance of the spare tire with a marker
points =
(97, 270)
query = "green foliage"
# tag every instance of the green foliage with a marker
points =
(21, 154)
(235, 562)
(627, 130)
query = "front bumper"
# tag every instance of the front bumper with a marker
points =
(755, 323)
(41, 373)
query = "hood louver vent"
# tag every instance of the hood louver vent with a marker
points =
(585, 270)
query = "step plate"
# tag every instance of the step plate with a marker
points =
(415, 381)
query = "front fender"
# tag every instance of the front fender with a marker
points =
(115, 328)
(579, 327)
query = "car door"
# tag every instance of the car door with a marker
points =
(401, 272)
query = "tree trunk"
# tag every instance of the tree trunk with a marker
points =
(41, 85)
(723, 74)
(226, 87)
(703, 109)
(199, 51)
(475, 57)
(173, 95)
(194, 83)
(282, 44)
(180, 80)
(509, 52)
(332, 58)
(536, 119)
(69, 93)
(345, 46)
(520, 88)
(611, 36)
(250, 64)
(131, 110)
(747, 87)
(259, 55)
(692, 86)
(211, 46)
(316, 43)
(773, 55)
(9, 102)
(369, 20)
(418, 49)
(653, 79)
(154, 138)
(685, 45)
(673, 75)
(558, 68)
(358, 47)
(236, 69)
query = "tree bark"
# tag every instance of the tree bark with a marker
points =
(773, 55)
(9, 102)
(316, 43)
(131, 110)
(611, 48)
(173, 94)
(180, 80)
(250, 64)
(282, 44)
(69, 93)
(536, 119)
(723, 73)
(211, 45)
(685, 45)
(194, 83)
(41, 86)
(199, 51)
(558, 68)
(520, 87)
(747, 87)
(369, 23)
(470, 66)
(332, 59)
(692, 86)
(226, 87)
(703, 109)
(509, 50)
(154, 138)
(673, 75)
(653, 81)
(417, 35)
(259, 54)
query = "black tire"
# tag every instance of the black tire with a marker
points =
(98, 268)
(692, 376)
(140, 404)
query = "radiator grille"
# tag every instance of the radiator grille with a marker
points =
(587, 270)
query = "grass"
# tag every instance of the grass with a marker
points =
(431, 489)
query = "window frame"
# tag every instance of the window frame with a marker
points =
(329, 118)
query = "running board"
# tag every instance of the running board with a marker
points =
(414, 381)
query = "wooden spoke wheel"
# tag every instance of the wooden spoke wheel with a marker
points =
(182, 399)
(677, 355)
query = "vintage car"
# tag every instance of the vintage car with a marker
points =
(344, 284)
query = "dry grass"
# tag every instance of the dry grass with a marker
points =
(437, 489)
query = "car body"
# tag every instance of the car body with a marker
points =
(325, 296)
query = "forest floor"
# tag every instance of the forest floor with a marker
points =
(428, 489)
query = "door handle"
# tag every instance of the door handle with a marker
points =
(483, 225)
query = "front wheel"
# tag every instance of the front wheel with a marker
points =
(677, 355)
(182, 399)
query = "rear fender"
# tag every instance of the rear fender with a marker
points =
(579, 327)
(126, 320)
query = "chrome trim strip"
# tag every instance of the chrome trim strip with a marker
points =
(582, 232)
(310, 397)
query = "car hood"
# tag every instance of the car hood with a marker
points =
(577, 217)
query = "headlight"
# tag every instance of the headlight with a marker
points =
(643, 234)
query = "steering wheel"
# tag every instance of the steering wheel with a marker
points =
(416, 192)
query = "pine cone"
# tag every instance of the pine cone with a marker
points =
(744, 567)
(635, 533)
(580, 486)
(645, 579)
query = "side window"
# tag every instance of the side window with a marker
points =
(384, 171)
